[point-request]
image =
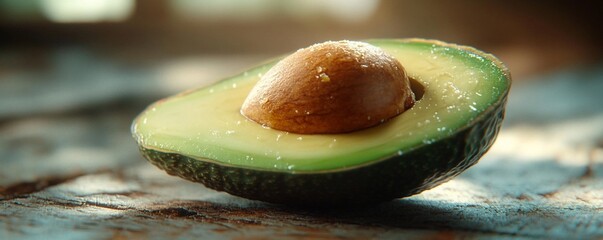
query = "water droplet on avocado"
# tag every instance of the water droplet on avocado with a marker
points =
(324, 77)
(333, 143)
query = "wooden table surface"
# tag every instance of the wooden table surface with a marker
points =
(69, 168)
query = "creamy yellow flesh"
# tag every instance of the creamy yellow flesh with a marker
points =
(206, 124)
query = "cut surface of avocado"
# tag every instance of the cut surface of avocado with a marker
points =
(460, 84)
(201, 136)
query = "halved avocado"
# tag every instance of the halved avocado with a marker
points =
(201, 136)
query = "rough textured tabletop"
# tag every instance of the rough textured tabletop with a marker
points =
(69, 168)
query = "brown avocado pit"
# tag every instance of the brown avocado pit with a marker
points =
(330, 87)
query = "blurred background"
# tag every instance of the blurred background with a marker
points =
(183, 43)
(66, 55)
(74, 74)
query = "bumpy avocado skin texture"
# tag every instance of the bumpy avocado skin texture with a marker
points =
(395, 177)
(380, 180)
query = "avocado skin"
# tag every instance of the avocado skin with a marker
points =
(394, 177)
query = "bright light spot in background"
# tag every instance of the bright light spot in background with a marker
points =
(340, 10)
(565, 142)
(79, 11)
(223, 9)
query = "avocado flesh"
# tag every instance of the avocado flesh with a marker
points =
(460, 84)
(447, 131)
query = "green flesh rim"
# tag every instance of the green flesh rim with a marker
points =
(205, 124)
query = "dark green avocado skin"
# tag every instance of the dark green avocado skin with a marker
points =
(398, 176)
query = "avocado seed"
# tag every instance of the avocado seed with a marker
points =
(330, 87)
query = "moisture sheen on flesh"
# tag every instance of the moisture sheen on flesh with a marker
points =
(206, 124)
(201, 135)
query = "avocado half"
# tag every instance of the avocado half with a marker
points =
(201, 136)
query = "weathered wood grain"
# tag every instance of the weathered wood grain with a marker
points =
(78, 175)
